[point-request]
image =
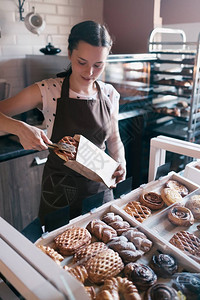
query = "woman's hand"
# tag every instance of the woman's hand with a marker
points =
(32, 137)
(119, 174)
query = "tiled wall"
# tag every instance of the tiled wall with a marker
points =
(16, 41)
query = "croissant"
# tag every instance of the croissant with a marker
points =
(113, 286)
(116, 222)
(79, 272)
(101, 230)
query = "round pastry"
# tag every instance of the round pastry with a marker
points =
(161, 291)
(142, 275)
(170, 196)
(181, 216)
(188, 284)
(114, 286)
(179, 187)
(194, 205)
(152, 200)
(164, 265)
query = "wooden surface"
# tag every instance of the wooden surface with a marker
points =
(20, 187)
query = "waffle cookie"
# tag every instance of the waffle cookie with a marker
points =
(188, 243)
(72, 239)
(104, 265)
(138, 211)
(85, 253)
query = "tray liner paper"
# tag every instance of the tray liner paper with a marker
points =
(93, 162)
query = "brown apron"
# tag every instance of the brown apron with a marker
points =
(61, 186)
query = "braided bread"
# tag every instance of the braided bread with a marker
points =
(126, 249)
(101, 230)
(114, 286)
(116, 222)
(79, 272)
(139, 239)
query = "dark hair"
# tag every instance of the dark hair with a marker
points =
(90, 32)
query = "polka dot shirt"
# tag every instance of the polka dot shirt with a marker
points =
(51, 90)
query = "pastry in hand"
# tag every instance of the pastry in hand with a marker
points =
(181, 216)
(170, 196)
(194, 205)
(164, 265)
(152, 200)
(179, 187)
(161, 291)
(142, 275)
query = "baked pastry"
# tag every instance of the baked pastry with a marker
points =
(79, 272)
(105, 264)
(188, 243)
(181, 216)
(116, 222)
(72, 239)
(142, 275)
(152, 200)
(162, 291)
(91, 292)
(188, 284)
(164, 265)
(66, 155)
(179, 187)
(52, 253)
(85, 253)
(138, 211)
(139, 239)
(170, 196)
(101, 230)
(114, 286)
(194, 205)
(127, 251)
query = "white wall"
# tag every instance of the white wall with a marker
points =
(16, 41)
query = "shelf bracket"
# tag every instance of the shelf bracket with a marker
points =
(21, 9)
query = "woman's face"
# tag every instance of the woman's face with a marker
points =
(87, 62)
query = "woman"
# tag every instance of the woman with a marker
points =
(73, 103)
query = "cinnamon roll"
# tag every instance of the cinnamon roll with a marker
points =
(142, 275)
(181, 216)
(161, 291)
(164, 265)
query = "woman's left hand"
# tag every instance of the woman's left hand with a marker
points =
(119, 175)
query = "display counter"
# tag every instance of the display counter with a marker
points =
(54, 272)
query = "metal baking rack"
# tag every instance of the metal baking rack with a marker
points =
(179, 60)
